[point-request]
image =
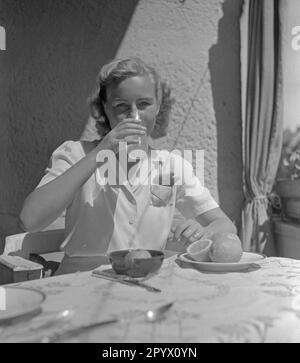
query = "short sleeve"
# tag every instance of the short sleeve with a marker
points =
(66, 155)
(192, 198)
(90, 132)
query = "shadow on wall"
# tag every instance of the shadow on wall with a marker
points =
(54, 52)
(224, 66)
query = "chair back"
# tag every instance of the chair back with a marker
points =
(25, 244)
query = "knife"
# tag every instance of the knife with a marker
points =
(125, 280)
(73, 332)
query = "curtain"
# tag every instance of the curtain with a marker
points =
(262, 106)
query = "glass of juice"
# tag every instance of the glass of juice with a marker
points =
(142, 140)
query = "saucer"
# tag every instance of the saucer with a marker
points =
(247, 260)
(16, 302)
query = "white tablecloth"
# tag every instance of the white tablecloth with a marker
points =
(256, 305)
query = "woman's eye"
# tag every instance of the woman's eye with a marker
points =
(143, 104)
(121, 107)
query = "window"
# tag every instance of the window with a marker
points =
(291, 91)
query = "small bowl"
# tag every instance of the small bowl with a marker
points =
(199, 250)
(136, 267)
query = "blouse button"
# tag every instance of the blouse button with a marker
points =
(132, 220)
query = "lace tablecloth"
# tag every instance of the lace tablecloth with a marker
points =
(255, 305)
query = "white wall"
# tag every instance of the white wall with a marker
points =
(195, 46)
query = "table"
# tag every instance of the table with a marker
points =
(256, 305)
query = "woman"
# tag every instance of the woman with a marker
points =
(102, 217)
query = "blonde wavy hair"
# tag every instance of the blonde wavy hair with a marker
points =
(118, 70)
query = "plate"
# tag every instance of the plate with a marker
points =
(16, 302)
(247, 260)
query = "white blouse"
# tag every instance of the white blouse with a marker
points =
(103, 218)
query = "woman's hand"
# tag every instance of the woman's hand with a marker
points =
(127, 127)
(187, 232)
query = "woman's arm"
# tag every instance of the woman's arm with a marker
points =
(47, 202)
(214, 221)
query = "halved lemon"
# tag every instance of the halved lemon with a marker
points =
(199, 250)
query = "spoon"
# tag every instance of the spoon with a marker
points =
(158, 314)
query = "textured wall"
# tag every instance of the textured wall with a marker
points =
(195, 45)
(54, 51)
